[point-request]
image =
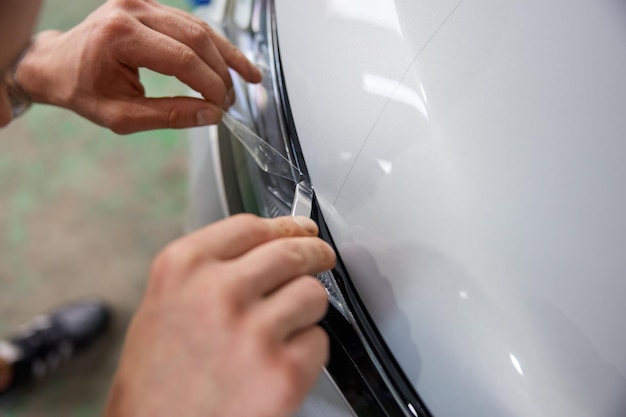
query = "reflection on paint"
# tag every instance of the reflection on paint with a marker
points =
(423, 93)
(393, 90)
(345, 155)
(516, 364)
(463, 295)
(386, 166)
(381, 13)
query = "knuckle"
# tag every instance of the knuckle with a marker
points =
(315, 291)
(187, 56)
(205, 26)
(285, 226)
(254, 225)
(131, 4)
(262, 331)
(220, 300)
(227, 290)
(116, 24)
(295, 366)
(124, 3)
(294, 375)
(292, 254)
(175, 117)
(197, 35)
(173, 260)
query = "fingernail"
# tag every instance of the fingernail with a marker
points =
(306, 223)
(231, 96)
(207, 117)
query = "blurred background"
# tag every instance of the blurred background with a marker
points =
(82, 213)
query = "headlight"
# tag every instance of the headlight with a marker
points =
(260, 107)
(360, 363)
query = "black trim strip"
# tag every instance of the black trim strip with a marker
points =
(360, 378)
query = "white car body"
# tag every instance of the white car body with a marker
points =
(468, 157)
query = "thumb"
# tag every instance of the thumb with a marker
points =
(140, 114)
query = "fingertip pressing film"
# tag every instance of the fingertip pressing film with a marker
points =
(271, 161)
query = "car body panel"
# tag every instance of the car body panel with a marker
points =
(360, 46)
(325, 400)
(480, 212)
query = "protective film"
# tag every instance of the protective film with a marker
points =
(264, 155)
(271, 161)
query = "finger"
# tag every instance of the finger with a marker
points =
(223, 240)
(236, 59)
(269, 266)
(168, 56)
(135, 115)
(310, 347)
(193, 33)
(231, 54)
(297, 305)
(236, 235)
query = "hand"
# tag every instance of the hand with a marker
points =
(228, 324)
(93, 68)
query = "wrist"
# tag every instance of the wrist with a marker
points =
(35, 77)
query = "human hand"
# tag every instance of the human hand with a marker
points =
(93, 68)
(228, 324)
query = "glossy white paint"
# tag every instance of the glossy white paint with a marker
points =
(342, 59)
(325, 400)
(483, 215)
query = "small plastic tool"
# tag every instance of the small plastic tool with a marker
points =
(302, 200)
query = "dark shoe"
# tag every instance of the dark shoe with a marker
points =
(50, 339)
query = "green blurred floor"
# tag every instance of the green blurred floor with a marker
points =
(82, 212)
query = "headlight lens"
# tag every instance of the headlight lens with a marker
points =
(259, 106)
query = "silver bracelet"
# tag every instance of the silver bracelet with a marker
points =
(20, 100)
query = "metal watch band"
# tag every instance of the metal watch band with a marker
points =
(20, 100)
